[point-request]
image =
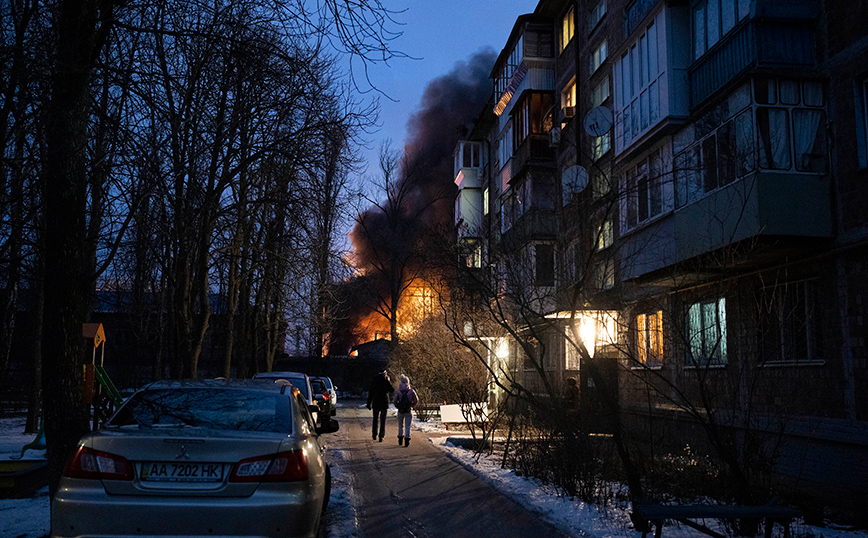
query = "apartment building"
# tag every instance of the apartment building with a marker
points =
(688, 181)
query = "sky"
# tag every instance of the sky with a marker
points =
(438, 33)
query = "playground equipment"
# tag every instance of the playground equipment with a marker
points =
(99, 391)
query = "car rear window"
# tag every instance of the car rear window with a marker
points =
(297, 382)
(240, 410)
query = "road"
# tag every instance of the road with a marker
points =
(418, 491)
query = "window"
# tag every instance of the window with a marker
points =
(604, 275)
(788, 323)
(860, 101)
(568, 97)
(805, 150)
(485, 201)
(600, 93)
(605, 235)
(649, 338)
(600, 145)
(596, 14)
(638, 75)
(705, 330)
(644, 188)
(598, 56)
(713, 19)
(568, 29)
(544, 259)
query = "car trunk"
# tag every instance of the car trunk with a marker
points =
(185, 461)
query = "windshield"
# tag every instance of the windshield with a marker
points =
(241, 410)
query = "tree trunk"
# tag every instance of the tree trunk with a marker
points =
(66, 274)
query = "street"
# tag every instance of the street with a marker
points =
(419, 491)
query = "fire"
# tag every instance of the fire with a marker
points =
(418, 302)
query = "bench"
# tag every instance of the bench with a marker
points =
(425, 411)
(657, 514)
(454, 414)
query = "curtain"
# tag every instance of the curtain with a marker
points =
(809, 140)
(774, 138)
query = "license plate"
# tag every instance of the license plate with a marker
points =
(181, 472)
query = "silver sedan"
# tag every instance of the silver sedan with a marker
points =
(199, 458)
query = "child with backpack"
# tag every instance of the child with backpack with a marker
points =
(405, 399)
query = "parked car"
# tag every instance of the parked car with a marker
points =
(299, 380)
(199, 458)
(323, 396)
(333, 390)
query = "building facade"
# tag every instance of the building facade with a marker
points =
(688, 180)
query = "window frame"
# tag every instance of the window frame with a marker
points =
(598, 56)
(696, 338)
(773, 323)
(568, 28)
(596, 14)
(650, 349)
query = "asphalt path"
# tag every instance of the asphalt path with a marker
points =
(418, 491)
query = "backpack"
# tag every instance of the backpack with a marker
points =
(404, 403)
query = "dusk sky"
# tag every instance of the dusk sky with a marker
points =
(439, 33)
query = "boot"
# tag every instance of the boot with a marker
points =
(406, 441)
(400, 440)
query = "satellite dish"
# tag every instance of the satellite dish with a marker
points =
(598, 121)
(574, 180)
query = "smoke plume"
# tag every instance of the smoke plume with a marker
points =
(449, 105)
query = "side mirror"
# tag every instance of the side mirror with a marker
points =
(329, 427)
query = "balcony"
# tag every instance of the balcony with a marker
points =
(774, 44)
(762, 218)
(534, 150)
(535, 224)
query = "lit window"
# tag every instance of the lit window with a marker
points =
(705, 331)
(599, 56)
(649, 338)
(596, 14)
(485, 201)
(568, 97)
(600, 145)
(605, 235)
(600, 93)
(568, 29)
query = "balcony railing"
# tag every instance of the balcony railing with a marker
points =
(534, 149)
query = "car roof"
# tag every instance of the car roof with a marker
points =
(265, 385)
(272, 375)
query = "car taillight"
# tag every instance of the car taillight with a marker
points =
(326, 396)
(97, 465)
(290, 466)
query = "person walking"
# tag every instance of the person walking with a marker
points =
(405, 400)
(378, 400)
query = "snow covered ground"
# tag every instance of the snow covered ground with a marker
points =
(29, 518)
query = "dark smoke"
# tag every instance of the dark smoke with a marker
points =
(449, 104)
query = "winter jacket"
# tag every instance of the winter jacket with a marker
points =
(380, 393)
(404, 388)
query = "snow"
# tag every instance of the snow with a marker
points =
(29, 517)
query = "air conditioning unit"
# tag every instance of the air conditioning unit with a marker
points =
(569, 112)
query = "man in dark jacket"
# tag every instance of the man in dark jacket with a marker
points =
(378, 399)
